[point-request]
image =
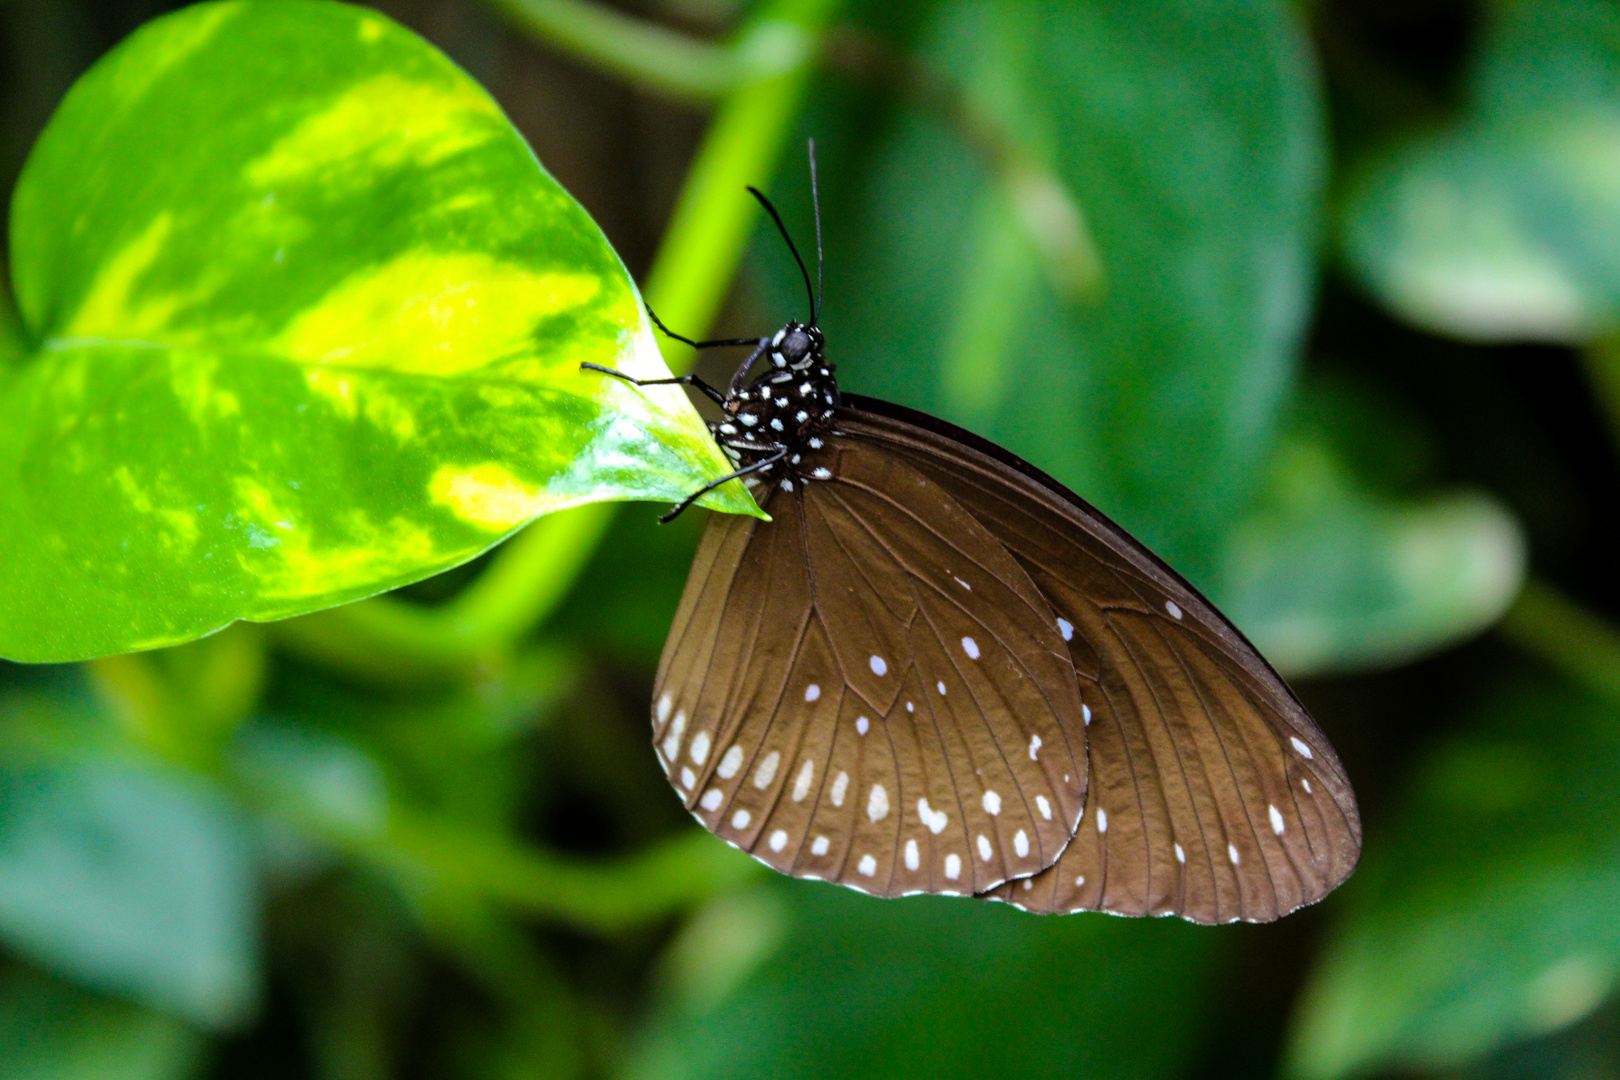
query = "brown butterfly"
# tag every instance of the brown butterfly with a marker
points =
(937, 670)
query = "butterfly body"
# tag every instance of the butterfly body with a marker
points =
(771, 421)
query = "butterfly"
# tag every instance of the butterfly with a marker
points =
(935, 669)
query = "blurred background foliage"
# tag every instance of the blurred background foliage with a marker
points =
(1322, 299)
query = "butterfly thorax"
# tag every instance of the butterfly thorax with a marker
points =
(784, 412)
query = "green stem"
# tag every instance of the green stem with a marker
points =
(393, 640)
(654, 57)
(1568, 637)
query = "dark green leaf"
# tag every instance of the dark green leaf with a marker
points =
(51, 1031)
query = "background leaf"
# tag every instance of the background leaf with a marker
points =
(295, 348)
(51, 1031)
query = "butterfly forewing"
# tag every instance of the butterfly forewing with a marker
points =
(879, 711)
(1212, 794)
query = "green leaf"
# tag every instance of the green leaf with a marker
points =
(1328, 577)
(51, 1031)
(1191, 137)
(1506, 226)
(307, 320)
(132, 882)
(928, 987)
(1486, 915)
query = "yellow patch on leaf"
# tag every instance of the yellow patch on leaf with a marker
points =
(489, 496)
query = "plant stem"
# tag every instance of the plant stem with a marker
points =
(1571, 639)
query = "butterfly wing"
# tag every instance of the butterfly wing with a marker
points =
(1212, 794)
(870, 689)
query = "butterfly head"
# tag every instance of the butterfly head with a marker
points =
(798, 346)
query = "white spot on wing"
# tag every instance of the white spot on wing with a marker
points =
(730, 763)
(801, 783)
(1080, 882)
(877, 803)
(1232, 853)
(672, 741)
(664, 704)
(913, 859)
(812, 692)
(1181, 856)
(688, 778)
(1102, 820)
(740, 819)
(711, 800)
(880, 666)
(821, 474)
(984, 847)
(862, 724)
(778, 840)
(1170, 606)
(700, 747)
(934, 819)
(1021, 844)
(992, 803)
(970, 647)
(1034, 747)
(962, 583)
(1306, 783)
(1066, 628)
(940, 686)
(1301, 747)
(867, 866)
(840, 785)
(1044, 807)
(819, 846)
(1276, 819)
(953, 866)
(767, 770)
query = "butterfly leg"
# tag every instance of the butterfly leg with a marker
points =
(717, 343)
(679, 380)
(711, 485)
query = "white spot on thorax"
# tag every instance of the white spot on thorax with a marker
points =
(877, 803)
(867, 866)
(1181, 856)
(664, 704)
(815, 444)
(1102, 820)
(821, 474)
(700, 747)
(934, 819)
(1170, 606)
(767, 770)
(970, 647)
(748, 419)
(777, 424)
(1232, 853)
(1034, 747)
(953, 866)
(805, 388)
(879, 665)
(801, 784)
(801, 416)
(1021, 844)
(1276, 819)
(1300, 746)
(913, 859)
(840, 785)
(862, 724)
(711, 799)
(740, 819)
(688, 778)
(819, 846)
(1066, 628)
(992, 803)
(1044, 807)
(730, 763)
(778, 840)
(984, 847)
(787, 485)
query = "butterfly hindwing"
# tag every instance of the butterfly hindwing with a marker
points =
(881, 712)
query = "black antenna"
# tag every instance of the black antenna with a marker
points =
(766, 203)
(815, 201)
